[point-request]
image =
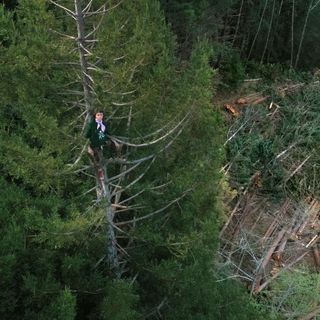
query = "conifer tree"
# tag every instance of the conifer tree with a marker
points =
(53, 245)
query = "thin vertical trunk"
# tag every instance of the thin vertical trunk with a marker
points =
(238, 23)
(86, 81)
(258, 30)
(112, 252)
(269, 31)
(292, 35)
(302, 34)
(103, 194)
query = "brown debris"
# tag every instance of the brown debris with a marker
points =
(242, 101)
(231, 109)
(264, 240)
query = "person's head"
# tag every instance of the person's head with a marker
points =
(99, 115)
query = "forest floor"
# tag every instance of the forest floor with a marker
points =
(260, 238)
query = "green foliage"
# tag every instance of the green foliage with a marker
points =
(231, 67)
(33, 138)
(120, 302)
(62, 308)
(294, 295)
(192, 19)
(52, 242)
(258, 146)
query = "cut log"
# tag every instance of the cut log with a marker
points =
(275, 222)
(277, 255)
(266, 259)
(288, 266)
(311, 214)
(316, 256)
(242, 101)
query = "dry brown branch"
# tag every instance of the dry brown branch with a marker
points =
(266, 283)
(238, 204)
(230, 217)
(260, 100)
(316, 256)
(312, 241)
(311, 212)
(277, 255)
(256, 283)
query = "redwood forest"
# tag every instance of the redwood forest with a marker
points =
(160, 159)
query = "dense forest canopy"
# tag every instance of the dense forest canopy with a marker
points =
(142, 240)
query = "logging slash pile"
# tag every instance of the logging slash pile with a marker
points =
(273, 224)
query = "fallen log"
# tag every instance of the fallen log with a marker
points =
(275, 222)
(255, 285)
(316, 257)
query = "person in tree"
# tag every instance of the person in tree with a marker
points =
(97, 133)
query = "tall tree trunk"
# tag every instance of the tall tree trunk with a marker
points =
(104, 194)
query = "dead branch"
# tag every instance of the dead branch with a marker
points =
(154, 212)
(299, 167)
(235, 133)
(312, 241)
(279, 272)
(256, 285)
(87, 7)
(312, 213)
(156, 140)
(121, 104)
(63, 34)
(286, 150)
(103, 9)
(68, 11)
(316, 256)
(247, 275)
(237, 205)
(95, 28)
(132, 197)
(136, 180)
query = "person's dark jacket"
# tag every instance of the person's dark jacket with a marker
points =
(95, 135)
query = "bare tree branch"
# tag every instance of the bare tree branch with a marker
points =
(87, 7)
(103, 9)
(154, 212)
(68, 11)
(62, 34)
(156, 140)
(299, 167)
(95, 28)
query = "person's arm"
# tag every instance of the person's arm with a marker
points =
(107, 129)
